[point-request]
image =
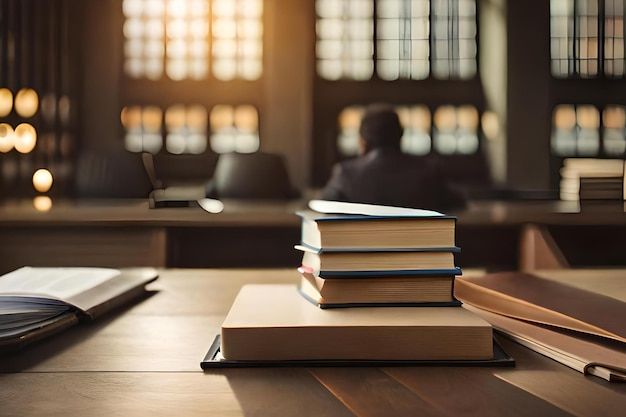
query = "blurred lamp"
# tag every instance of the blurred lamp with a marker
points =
(42, 180)
(6, 137)
(26, 102)
(25, 138)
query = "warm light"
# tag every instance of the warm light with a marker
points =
(26, 102)
(42, 203)
(420, 118)
(25, 138)
(175, 117)
(350, 118)
(588, 117)
(445, 118)
(42, 180)
(491, 125)
(6, 137)
(131, 117)
(197, 117)
(614, 117)
(564, 117)
(246, 118)
(221, 116)
(151, 118)
(467, 117)
(6, 102)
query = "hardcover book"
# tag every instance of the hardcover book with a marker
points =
(385, 291)
(379, 262)
(272, 322)
(331, 225)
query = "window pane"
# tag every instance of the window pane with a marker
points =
(234, 129)
(344, 46)
(237, 30)
(401, 25)
(454, 39)
(574, 33)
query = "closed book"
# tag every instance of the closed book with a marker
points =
(270, 322)
(418, 291)
(358, 231)
(545, 301)
(339, 261)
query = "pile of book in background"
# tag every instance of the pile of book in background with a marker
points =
(371, 287)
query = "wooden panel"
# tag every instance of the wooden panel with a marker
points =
(82, 246)
(228, 247)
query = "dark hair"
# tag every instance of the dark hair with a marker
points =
(381, 127)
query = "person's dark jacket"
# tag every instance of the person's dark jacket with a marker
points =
(389, 177)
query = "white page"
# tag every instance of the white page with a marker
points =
(62, 282)
(325, 206)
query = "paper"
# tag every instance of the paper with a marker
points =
(325, 206)
(61, 283)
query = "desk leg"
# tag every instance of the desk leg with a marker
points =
(538, 250)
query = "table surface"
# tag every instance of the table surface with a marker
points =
(136, 212)
(144, 360)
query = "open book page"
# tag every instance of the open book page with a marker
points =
(61, 283)
(340, 207)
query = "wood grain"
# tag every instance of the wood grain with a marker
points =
(144, 360)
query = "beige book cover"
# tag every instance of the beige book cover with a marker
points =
(545, 301)
(588, 355)
(274, 322)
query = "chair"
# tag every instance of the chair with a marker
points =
(101, 174)
(259, 175)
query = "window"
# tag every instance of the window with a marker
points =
(234, 129)
(174, 38)
(413, 39)
(587, 38)
(584, 131)
(454, 130)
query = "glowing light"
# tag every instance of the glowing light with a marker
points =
(25, 138)
(26, 102)
(6, 137)
(6, 102)
(42, 203)
(42, 180)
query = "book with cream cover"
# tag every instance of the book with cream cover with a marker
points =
(273, 322)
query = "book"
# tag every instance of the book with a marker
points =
(322, 231)
(387, 291)
(540, 300)
(36, 302)
(586, 355)
(572, 318)
(327, 263)
(273, 322)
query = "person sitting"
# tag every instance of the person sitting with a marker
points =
(383, 174)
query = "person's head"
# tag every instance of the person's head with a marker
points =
(380, 127)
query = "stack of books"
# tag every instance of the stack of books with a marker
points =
(354, 260)
(376, 284)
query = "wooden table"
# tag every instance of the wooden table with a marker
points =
(144, 361)
(126, 232)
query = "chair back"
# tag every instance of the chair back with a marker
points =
(257, 175)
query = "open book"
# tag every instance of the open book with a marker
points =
(36, 302)
(575, 322)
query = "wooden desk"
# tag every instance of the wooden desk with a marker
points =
(145, 362)
(255, 234)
